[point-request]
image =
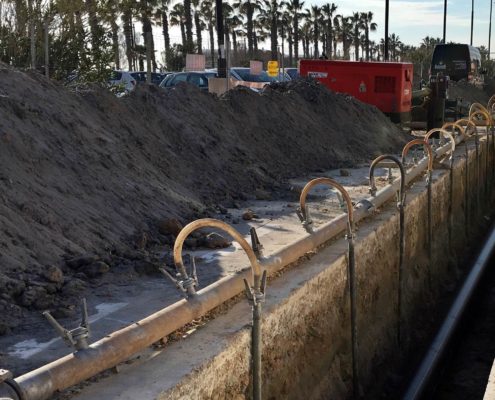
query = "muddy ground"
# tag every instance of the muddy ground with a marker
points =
(90, 182)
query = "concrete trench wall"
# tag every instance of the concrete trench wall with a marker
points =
(306, 328)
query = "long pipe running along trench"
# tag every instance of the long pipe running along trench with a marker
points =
(451, 321)
(120, 345)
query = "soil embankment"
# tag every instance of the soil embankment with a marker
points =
(88, 181)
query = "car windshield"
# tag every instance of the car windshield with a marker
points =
(245, 75)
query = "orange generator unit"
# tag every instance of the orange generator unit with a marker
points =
(386, 85)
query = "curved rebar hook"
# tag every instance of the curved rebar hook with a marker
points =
(484, 114)
(454, 125)
(255, 295)
(390, 157)
(402, 244)
(351, 264)
(444, 134)
(330, 182)
(491, 103)
(468, 123)
(478, 107)
(214, 223)
(425, 144)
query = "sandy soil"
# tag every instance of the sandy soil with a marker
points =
(90, 182)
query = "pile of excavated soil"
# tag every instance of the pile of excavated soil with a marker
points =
(470, 93)
(89, 181)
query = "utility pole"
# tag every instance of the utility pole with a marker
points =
(222, 62)
(490, 29)
(472, 21)
(445, 20)
(386, 29)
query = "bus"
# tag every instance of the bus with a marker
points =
(457, 61)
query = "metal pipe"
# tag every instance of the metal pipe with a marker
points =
(351, 265)
(118, 346)
(429, 150)
(439, 345)
(400, 206)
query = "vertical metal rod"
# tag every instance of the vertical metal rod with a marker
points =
(472, 21)
(451, 202)
(490, 29)
(444, 20)
(401, 273)
(386, 29)
(487, 161)
(478, 170)
(430, 225)
(256, 349)
(353, 299)
(466, 193)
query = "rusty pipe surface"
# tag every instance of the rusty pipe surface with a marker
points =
(119, 346)
(330, 182)
(214, 223)
(423, 143)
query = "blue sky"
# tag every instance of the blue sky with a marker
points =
(412, 20)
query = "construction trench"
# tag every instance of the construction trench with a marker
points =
(342, 306)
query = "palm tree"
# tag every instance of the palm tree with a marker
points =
(286, 24)
(294, 7)
(368, 26)
(177, 19)
(248, 8)
(306, 37)
(208, 12)
(110, 16)
(328, 10)
(189, 43)
(162, 14)
(314, 16)
(270, 16)
(357, 24)
(199, 24)
(344, 26)
(234, 23)
(127, 7)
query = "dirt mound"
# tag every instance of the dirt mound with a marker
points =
(469, 93)
(88, 179)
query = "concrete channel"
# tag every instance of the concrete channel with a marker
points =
(306, 340)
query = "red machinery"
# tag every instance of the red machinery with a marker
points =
(387, 85)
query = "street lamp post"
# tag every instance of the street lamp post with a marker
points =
(445, 19)
(472, 21)
(386, 29)
(490, 29)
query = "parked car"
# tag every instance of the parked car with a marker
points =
(199, 79)
(244, 74)
(292, 72)
(123, 78)
(156, 77)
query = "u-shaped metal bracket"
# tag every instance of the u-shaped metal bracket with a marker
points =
(351, 265)
(429, 179)
(255, 294)
(400, 205)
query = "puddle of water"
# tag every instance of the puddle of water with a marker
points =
(28, 348)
